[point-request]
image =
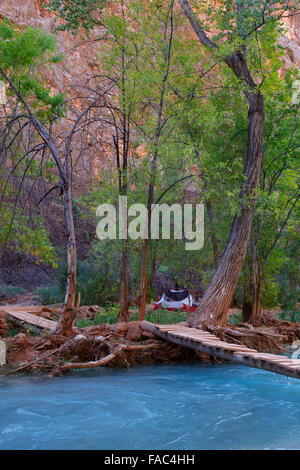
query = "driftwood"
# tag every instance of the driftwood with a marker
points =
(39, 359)
(109, 348)
(250, 337)
(107, 359)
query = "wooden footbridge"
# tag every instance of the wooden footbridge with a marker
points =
(26, 315)
(183, 335)
(205, 342)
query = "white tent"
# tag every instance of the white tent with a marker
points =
(176, 300)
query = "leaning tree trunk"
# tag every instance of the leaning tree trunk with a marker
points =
(67, 318)
(217, 298)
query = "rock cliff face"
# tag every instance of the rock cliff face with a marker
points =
(79, 65)
(78, 61)
(292, 41)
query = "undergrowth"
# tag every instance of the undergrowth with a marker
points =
(110, 315)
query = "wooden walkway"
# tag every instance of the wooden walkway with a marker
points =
(26, 314)
(183, 335)
(205, 342)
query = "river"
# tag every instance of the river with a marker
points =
(186, 406)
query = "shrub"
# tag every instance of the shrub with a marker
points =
(107, 315)
(235, 318)
(11, 291)
(49, 294)
(96, 283)
(110, 315)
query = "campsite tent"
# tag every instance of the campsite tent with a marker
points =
(176, 300)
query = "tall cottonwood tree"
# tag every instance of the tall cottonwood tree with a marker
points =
(242, 20)
(277, 199)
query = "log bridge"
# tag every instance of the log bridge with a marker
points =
(205, 342)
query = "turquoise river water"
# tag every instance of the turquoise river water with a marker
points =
(187, 406)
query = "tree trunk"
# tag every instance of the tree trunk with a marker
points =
(247, 292)
(153, 271)
(256, 290)
(252, 287)
(124, 307)
(213, 233)
(159, 125)
(66, 321)
(210, 214)
(247, 306)
(217, 298)
(67, 318)
(143, 284)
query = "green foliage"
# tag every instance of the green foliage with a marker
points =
(235, 319)
(292, 315)
(12, 330)
(22, 51)
(110, 315)
(26, 234)
(204, 130)
(96, 285)
(107, 315)
(76, 13)
(164, 316)
(97, 282)
(49, 294)
(9, 291)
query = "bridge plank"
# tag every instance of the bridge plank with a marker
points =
(29, 318)
(203, 341)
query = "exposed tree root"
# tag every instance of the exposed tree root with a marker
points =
(268, 334)
(127, 344)
(107, 359)
(121, 345)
